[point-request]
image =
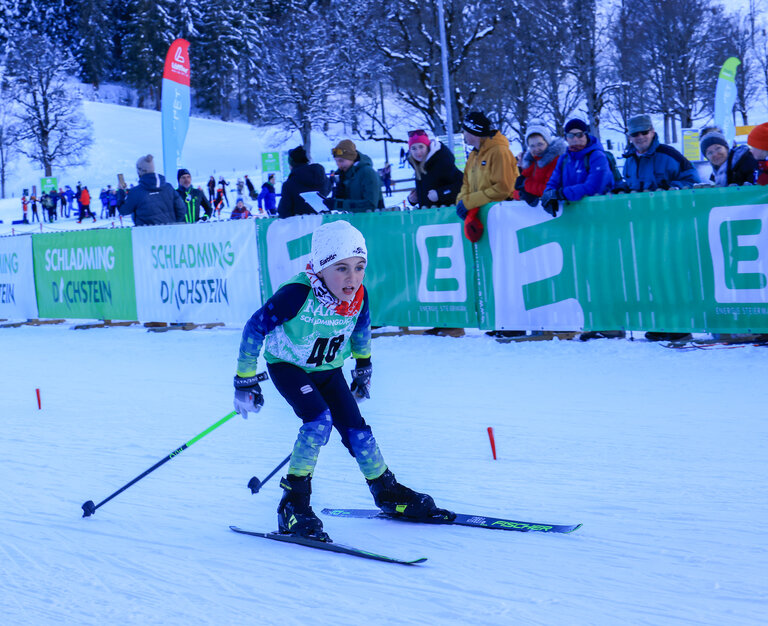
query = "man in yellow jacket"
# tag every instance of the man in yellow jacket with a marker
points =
(489, 175)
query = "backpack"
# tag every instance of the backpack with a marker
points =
(617, 177)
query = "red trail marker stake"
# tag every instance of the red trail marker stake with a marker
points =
(38, 399)
(493, 442)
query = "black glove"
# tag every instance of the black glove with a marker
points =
(361, 380)
(520, 183)
(549, 201)
(664, 184)
(248, 396)
(528, 197)
(621, 187)
(461, 210)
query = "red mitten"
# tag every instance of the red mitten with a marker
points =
(473, 227)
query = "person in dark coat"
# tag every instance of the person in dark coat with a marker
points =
(730, 166)
(359, 186)
(304, 177)
(438, 180)
(152, 201)
(211, 189)
(223, 184)
(251, 189)
(192, 198)
(267, 196)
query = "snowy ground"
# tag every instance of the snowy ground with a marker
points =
(660, 453)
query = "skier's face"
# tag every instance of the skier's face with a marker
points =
(344, 277)
(418, 151)
(716, 154)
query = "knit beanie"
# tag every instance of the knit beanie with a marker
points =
(758, 138)
(477, 124)
(418, 137)
(297, 156)
(536, 127)
(710, 139)
(346, 150)
(334, 242)
(576, 124)
(181, 173)
(145, 165)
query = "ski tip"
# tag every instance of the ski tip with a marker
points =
(574, 529)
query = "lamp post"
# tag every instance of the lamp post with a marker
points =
(446, 78)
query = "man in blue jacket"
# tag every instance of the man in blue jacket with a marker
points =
(582, 171)
(650, 165)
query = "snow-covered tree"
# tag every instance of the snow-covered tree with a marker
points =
(53, 130)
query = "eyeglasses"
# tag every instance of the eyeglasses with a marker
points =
(575, 135)
(640, 132)
(412, 133)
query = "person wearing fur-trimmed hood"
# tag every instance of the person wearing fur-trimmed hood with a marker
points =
(537, 163)
(438, 180)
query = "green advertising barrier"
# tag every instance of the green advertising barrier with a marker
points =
(420, 269)
(680, 260)
(85, 274)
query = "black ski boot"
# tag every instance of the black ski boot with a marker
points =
(400, 501)
(294, 515)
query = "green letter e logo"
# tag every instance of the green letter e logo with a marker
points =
(738, 240)
(443, 273)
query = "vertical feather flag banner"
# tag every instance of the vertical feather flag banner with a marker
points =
(175, 106)
(725, 98)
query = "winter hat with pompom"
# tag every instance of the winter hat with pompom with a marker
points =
(145, 165)
(335, 241)
(536, 127)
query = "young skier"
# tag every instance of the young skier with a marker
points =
(309, 327)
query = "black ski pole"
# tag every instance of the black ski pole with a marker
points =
(255, 484)
(89, 508)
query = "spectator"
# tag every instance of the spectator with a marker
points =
(211, 189)
(537, 163)
(70, 196)
(50, 201)
(240, 186)
(489, 175)
(25, 207)
(650, 165)
(223, 184)
(104, 198)
(267, 196)
(240, 212)
(251, 189)
(438, 180)
(359, 187)
(758, 146)
(84, 201)
(153, 200)
(386, 178)
(583, 170)
(63, 201)
(112, 202)
(192, 198)
(33, 201)
(729, 167)
(304, 177)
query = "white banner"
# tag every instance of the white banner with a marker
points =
(289, 243)
(18, 299)
(204, 272)
(512, 269)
